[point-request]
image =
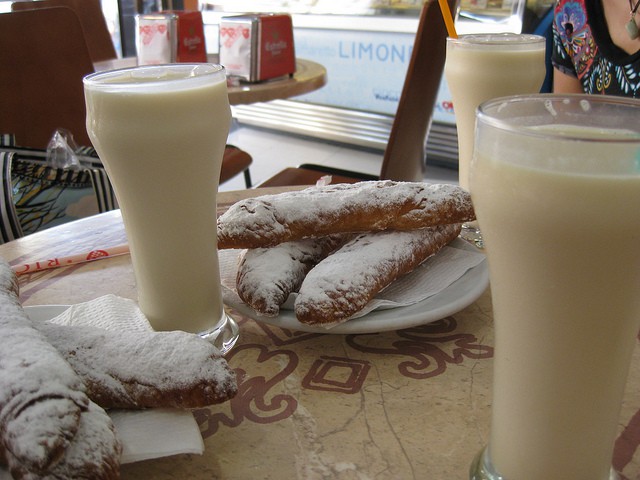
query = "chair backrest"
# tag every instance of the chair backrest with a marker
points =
(10, 228)
(42, 62)
(103, 189)
(92, 20)
(35, 195)
(404, 156)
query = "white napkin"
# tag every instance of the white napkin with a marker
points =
(144, 434)
(430, 278)
(108, 312)
(155, 433)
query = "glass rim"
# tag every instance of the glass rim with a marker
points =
(585, 101)
(146, 77)
(481, 40)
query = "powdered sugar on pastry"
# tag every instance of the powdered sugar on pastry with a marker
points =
(93, 454)
(148, 369)
(41, 397)
(365, 206)
(343, 283)
(266, 276)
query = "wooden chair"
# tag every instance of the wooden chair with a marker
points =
(44, 57)
(404, 155)
(234, 162)
(92, 20)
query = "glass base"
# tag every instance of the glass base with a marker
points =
(482, 469)
(471, 233)
(225, 335)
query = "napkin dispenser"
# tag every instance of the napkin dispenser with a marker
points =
(169, 37)
(256, 47)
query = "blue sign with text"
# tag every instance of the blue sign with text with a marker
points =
(365, 70)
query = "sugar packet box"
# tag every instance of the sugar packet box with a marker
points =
(169, 37)
(256, 47)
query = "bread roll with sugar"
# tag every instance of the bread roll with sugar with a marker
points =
(366, 206)
(267, 276)
(148, 369)
(93, 454)
(344, 282)
(41, 397)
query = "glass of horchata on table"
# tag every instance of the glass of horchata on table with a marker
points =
(160, 132)
(483, 66)
(555, 182)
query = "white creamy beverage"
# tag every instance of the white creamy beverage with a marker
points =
(483, 66)
(562, 232)
(162, 145)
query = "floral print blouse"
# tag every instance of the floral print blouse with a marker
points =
(582, 47)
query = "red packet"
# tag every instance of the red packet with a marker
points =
(191, 46)
(257, 47)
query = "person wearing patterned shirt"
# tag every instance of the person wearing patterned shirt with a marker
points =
(596, 47)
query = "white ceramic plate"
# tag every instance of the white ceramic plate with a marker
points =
(457, 296)
(460, 294)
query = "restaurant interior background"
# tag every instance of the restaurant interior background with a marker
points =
(365, 46)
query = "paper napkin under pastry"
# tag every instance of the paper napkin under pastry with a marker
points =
(430, 278)
(153, 433)
(145, 434)
(156, 432)
(108, 312)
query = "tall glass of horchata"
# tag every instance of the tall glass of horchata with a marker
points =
(555, 181)
(161, 132)
(479, 67)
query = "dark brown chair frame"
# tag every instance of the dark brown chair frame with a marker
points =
(92, 20)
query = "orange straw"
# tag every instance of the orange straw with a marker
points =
(448, 20)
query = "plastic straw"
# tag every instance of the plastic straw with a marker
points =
(448, 20)
(70, 260)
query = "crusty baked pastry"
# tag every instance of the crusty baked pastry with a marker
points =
(93, 453)
(267, 276)
(41, 397)
(344, 282)
(365, 206)
(148, 369)
(48, 427)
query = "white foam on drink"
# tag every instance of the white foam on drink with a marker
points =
(156, 78)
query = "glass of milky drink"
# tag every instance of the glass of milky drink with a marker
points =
(555, 182)
(161, 133)
(480, 67)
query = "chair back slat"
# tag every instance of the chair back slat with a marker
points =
(404, 156)
(103, 189)
(92, 20)
(44, 58)
(9, 223)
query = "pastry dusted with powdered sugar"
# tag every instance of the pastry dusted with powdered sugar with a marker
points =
(41, 397)
(92, 454)
(49, 428)
(149, 369)
(267, 276)
(344, 282)
(361, 207)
